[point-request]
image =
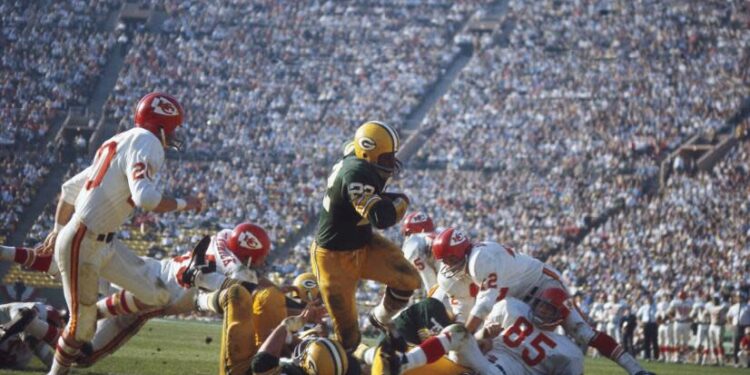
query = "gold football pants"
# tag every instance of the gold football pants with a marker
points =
(248, 320)
(338, 273)
(442, 366)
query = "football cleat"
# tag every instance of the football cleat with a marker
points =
(17, 324)
(197, 262)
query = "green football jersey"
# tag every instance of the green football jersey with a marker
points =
(422, 320)
(352, 189)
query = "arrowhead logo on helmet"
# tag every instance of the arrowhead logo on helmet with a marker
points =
(457, 238)
(249, 241)
(164, 107)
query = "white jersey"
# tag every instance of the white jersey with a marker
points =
(227, 263)
(120, 178)
(597, 313)
(662, 312)
(500, 271)
(681, 309)
(717, 313)
(699, 314)
(461, 293)
(613, 312)
(524, 348)
(417, 251)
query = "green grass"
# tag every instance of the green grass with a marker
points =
(166, 347)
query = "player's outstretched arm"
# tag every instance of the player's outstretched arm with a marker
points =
(169, 204)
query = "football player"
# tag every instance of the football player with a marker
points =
(701, 316)
(717, 310)
(419, 231)
(93, 205)
(665, 331)
(501, 272)
(312, 355)
(680, 308)
(527, 343)
(28, 329)
(345, 248)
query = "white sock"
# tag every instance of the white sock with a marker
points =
(7, 253)
(37, 328)
(630, 364)
(381, 314)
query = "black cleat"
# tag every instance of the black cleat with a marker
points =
(391, 333)
(389, 357)
(197, 261)
(17, 324)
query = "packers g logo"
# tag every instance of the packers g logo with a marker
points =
(309, 284)
(249, 241)
(162, 106)
(366, 143)
(457, 238)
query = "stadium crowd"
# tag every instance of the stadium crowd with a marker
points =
(245, 87)
(53, 53)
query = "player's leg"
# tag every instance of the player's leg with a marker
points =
(27, 320)
(429, 355)
(582, 333)
(237, 333)
(384, 262)
(338, 273)
(78, 254)
(111, 334)
(142, 288)
(269, 309)
(28, 259)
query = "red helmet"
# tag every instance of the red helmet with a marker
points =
(451, 247)
(417, 222)
(549, 308)
(160, 114)
(249, 241)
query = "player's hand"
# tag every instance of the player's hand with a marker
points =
(194, 204)
(47, 248)
(492, 330)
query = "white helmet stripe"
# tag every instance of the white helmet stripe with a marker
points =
(337, 361)
(391, 132)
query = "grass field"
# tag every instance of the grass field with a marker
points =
(166, 347)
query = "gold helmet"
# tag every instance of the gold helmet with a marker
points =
(306, 287)
(321, 356)
(377, 143)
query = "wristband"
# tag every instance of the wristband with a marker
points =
(181, 204)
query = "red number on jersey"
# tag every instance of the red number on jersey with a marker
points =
(101, 164)
(139, 171)
(419, 264)
(490, 282)
(516, 334)
(537, 343)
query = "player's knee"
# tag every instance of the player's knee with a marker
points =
(236, 295)
(271, 296)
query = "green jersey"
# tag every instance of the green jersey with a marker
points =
(422, 320)
(353, 189)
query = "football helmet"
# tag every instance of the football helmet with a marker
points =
(306, 287)
(320, 355)
(451, 247)
(417, 222)
(249, 242)
(378, 144)
(549, 309)
(160, 114)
